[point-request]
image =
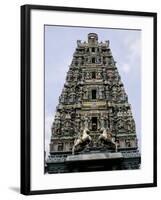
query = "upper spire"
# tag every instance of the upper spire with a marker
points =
(92, 38)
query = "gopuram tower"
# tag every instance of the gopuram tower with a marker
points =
(93, 129)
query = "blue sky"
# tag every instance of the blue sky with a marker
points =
(60, 44)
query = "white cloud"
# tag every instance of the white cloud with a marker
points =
(125, 68)
(131, 60)
(134, 48)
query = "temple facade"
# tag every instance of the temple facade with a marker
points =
(94, 128)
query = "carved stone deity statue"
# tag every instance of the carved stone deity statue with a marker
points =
(99, 76)
(87, 75)
(102, 121)
(85, 93)
(86, 121)
(101, 92)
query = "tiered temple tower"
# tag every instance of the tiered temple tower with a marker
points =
(93, 119)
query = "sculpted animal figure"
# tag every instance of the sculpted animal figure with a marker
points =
(82, 140)
(106, 138)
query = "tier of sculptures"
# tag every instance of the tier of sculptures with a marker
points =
(118, 119)
(111, 88)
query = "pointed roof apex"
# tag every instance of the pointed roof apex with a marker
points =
(92, 37)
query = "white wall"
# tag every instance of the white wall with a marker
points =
(10, 95)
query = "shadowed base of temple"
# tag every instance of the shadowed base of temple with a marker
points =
(94, 161)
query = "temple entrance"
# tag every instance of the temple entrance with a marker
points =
(94, 123)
